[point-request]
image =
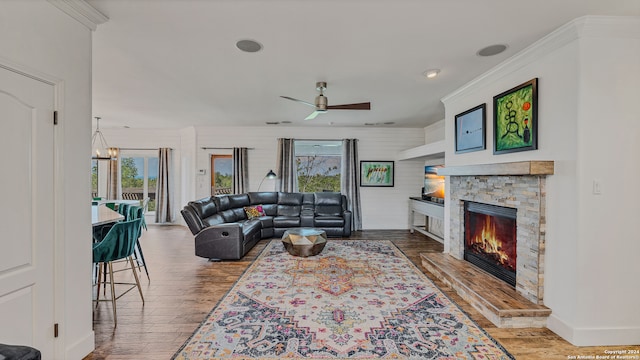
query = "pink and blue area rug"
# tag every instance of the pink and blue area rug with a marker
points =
(357, 299)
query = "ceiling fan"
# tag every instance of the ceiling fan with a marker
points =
(321, 103)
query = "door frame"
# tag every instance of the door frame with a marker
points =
(59, 347)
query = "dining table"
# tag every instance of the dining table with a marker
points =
(101, 215)
(122, 201)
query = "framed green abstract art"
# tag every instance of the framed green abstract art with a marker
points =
(376, 173)
(515, 119)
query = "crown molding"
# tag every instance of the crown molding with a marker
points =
(82, 11)
(586, 26)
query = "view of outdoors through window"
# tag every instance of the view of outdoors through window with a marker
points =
(139, 176)
(221, 174)
(94, 178)
(318, 165)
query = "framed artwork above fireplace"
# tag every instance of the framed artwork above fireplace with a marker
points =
(515, 119)
(470, 130)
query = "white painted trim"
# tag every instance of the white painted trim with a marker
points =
(586, 26)
(606, 336)
(614, 336)
(560, 327)
(58, 196)
(82, 11)
(81, 348)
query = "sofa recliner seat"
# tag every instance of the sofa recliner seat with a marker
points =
(223, 231)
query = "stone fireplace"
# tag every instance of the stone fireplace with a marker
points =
(519, 186)
(490, 239)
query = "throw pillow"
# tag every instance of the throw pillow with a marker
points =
(254, 211)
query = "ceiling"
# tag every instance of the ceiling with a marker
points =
(174, 63)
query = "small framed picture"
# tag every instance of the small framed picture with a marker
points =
(376, 173)
(470, 130)
(515, 119)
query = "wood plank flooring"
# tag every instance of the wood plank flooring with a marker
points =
(184, 288)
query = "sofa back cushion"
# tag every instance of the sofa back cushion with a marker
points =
(231, 207)
(263, 198)
(289, 204)
(268, 200)
(328, 204)
(238, 200)
(204, 207)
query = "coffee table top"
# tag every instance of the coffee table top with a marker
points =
(305, 231)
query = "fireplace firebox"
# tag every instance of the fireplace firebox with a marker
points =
(490, 239)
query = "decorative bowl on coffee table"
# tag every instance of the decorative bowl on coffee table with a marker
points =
(304, 241)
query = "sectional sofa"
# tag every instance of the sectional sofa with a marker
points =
(226, 227)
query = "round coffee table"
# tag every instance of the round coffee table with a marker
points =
(304, 241)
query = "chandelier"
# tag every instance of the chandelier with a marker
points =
(100, 148)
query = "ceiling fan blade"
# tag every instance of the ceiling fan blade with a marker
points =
(357, 106)
(300, 101)
(313, 115)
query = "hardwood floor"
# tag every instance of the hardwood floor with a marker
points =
(184, 288)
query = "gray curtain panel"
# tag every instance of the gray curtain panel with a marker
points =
(240, 170)
(286, 166)
(163, 189)
(349, 180)
(113, 176)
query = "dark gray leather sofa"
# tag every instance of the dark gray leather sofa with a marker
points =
(223, 231)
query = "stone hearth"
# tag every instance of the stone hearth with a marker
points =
(520, 185)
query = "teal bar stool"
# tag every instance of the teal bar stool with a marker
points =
(119, 243)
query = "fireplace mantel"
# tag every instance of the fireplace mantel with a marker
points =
(512, 168)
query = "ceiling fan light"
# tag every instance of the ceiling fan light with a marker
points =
(430, 74)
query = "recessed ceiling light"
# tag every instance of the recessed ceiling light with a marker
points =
(250, 46)
(492, 50)
(431, 73)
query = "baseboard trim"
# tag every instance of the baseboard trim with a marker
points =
(618, 336)
(81, 348)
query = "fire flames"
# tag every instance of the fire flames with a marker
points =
(486, 242)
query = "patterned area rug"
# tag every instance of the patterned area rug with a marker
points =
(357, 299)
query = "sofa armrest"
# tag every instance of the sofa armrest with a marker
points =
(222, 241)
(192, 219)
(348, 222)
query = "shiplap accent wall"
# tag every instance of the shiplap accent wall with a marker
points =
(382, 208)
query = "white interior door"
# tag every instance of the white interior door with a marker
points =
(27, 212)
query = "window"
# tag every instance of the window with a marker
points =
(318, 165)
(139, 176)
(94, 178)
(221, 174)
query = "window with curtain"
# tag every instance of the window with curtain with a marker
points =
(318, 165)
(139, 176)
(221, 174)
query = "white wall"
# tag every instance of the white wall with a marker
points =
(609, 148)
(585, 100)
(39, 36)
(382, 208)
